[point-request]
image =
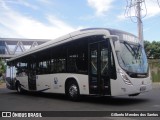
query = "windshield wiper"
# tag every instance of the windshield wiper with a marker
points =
(133, 52)
(138, 49)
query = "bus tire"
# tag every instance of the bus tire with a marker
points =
(19, 89)
(73, 91)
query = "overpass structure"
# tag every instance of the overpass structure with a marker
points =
(9, 47)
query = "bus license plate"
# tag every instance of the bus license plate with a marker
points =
(143, 88)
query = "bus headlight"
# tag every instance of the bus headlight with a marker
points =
(125, 78)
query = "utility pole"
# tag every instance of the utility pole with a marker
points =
(137, 5)
(139, 21)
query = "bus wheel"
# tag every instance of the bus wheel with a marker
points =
(73, 91)
(19, 89)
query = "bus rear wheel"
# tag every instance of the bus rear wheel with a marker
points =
(73, 91)
(19, 89)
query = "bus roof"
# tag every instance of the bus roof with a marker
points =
(62, 39)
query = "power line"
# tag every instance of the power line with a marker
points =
(158, 3)
(134, 10)
(131, 9)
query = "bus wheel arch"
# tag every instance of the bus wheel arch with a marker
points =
(72, 89)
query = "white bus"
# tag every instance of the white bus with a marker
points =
(94, 61)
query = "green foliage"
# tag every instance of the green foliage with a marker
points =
(155, 69)
(155, 76)
(152, 49)
(2, 67)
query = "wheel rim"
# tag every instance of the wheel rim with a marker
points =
(73, 90)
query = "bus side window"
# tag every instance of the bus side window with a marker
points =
(77, 61)
(81, 64)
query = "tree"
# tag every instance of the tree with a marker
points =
(2, 67)
(152, 49)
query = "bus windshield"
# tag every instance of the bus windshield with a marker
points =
(132, 58)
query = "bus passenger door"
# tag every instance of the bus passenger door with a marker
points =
(99, 81)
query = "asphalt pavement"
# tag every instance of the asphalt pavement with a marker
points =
(12, 101)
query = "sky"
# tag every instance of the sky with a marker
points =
(49, 19)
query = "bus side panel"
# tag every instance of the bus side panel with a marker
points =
(51, 83)
(43, 83)
(55, 83)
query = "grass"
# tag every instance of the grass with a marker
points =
(155, 69)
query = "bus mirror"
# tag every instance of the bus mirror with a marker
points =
(114, 37)
(117, 46)
(115, 40)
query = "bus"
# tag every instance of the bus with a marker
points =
(92, 61)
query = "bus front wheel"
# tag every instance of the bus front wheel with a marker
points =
(73, 91)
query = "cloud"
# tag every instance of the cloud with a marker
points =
(17, 25)
(149, 9)
(46, 2)
(23, 3)
(152, 8)
(101, 6)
